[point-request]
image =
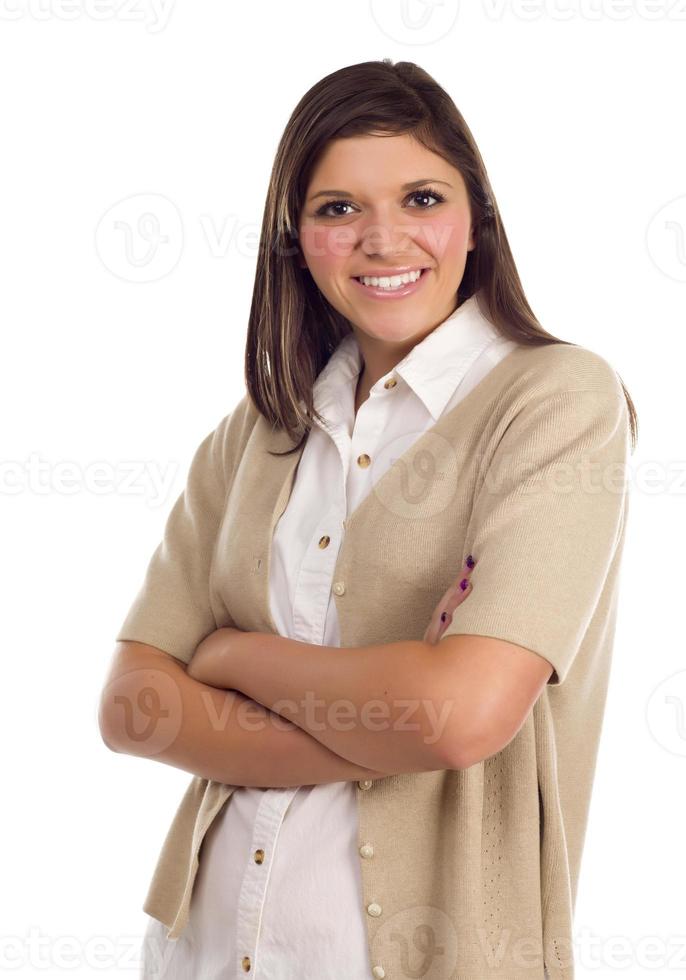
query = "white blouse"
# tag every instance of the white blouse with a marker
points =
(299, 915)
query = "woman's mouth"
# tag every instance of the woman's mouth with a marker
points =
(391, 287)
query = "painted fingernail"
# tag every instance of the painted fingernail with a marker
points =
(463, 584)
(444, 616)
(469, 561)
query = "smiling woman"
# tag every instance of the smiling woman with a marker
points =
(405, 412)
(393, 263)
(400, 229)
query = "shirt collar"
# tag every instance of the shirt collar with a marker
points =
(433, 368)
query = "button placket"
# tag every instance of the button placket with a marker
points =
(313, 588)
(366, 435)
(252, 895)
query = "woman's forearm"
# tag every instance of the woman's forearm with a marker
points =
(384, 706)
(282, 758)
(220, 735)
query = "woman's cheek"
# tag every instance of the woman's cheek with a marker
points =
(446, 237)
(326, 249)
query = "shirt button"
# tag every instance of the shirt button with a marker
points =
(367, 851)
(245, 963)
(378, 971)
(391, 383)
(374, 908)
(365, 783)
(363, 460)
(259, 856)
(339, 588)
(324, 541)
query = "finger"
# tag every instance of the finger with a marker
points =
(449, 601)
(464, 573)
(458, 594)
(467, 568)
(442, 616)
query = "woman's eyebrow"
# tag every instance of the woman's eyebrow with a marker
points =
(405, 187)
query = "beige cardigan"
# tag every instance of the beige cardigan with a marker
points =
(473, 870)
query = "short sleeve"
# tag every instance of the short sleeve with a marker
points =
(172, 609)
(546, 521)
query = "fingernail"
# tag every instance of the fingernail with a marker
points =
(463, 584)
(444, 616)
(469, 561)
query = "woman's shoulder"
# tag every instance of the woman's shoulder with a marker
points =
(559, 366)
(233, 431)
(244, 413)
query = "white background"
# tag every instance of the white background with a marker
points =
(119, 353)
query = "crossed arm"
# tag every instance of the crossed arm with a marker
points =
(252, 709)
(151, 707)
(248, 717)
(388, 706)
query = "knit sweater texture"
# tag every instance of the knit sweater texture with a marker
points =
(477, 867)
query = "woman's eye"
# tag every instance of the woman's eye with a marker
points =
(333, 204)
(427, 193)
(324, 211)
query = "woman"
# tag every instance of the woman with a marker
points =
(403, 404)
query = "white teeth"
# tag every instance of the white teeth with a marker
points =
(390, 282)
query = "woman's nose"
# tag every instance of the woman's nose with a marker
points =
(385, 238)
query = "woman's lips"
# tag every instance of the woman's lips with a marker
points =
(408, 289)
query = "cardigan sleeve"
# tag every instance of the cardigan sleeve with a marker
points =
(546, 521)
(172, 608)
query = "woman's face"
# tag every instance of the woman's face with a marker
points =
(360, 218)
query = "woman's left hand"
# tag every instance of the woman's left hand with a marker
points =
(211, 661)
(454, 595)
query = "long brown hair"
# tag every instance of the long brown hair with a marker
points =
(292, 328)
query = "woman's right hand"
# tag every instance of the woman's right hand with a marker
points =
(453, 596)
